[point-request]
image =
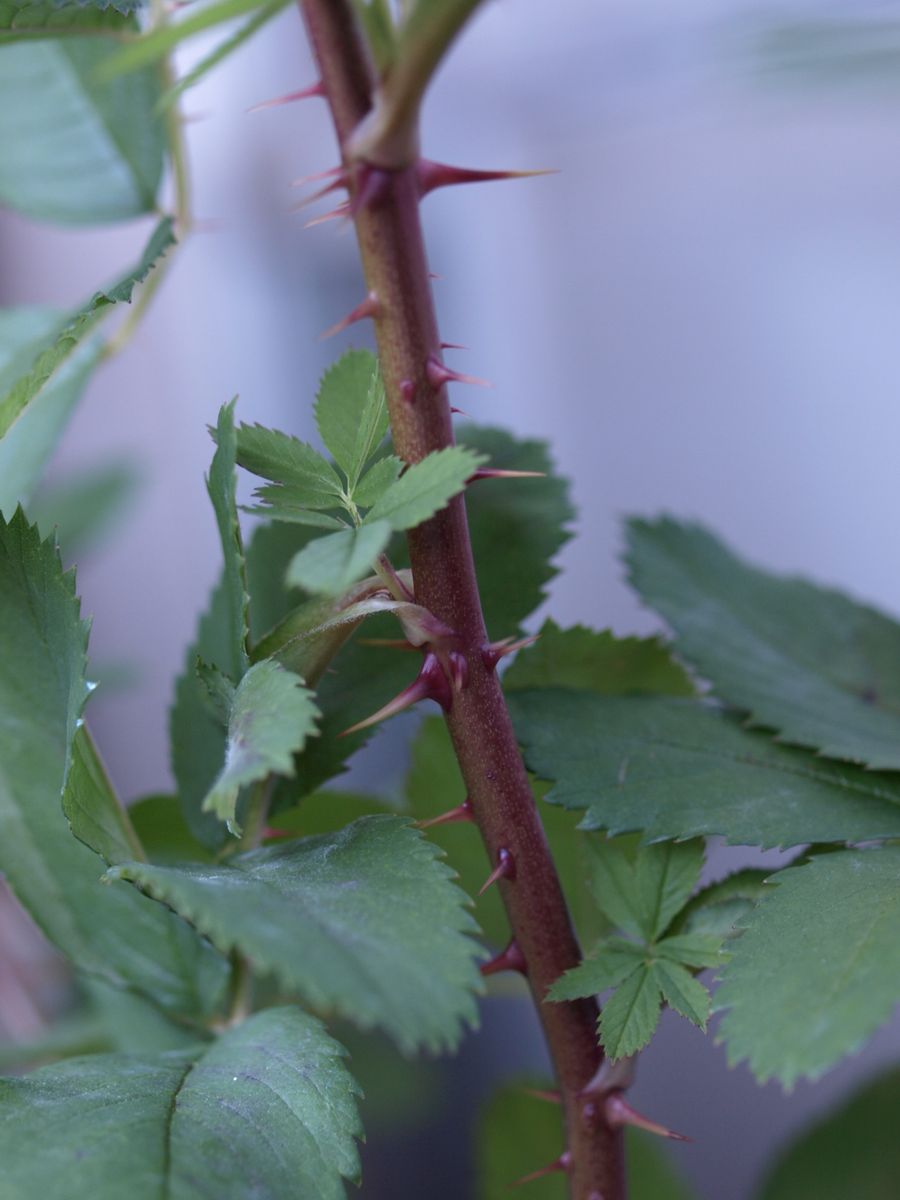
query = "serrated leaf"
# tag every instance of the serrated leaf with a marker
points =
(584, 659)
(272, 715)
(351, 411)
(102, 163)
(42, 690)
(33, 19)
(698, 950)
(332, 564)
(426, 487)
(222, 488)
(852, 1151)
(631, 1014)
(83, 506)
(642, 888)
(364, 922)
(682, 991)
(288, 503)
(381, 476)
(817, 968)
(517, 527)
(717, 908)
(808, 662)
(676, 768)
(611, 963)
(310, 481)
(29, 442)
(185, 1125)
(38, 369)
(91, 807)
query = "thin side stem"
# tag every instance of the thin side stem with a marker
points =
(393, 257)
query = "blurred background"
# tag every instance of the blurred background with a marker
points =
(699, 312)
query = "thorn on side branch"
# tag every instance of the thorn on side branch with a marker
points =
(505, 869)
(367, 308)
(315, 89)
(510, 959)
(437, 375)
(492, 652)
(619, 1112)
(434, 175)
(430, 684)
(563, 1163)
(462, 812)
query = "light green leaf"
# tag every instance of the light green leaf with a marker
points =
(32, 19)
(103, 162)
(381, 476)
(185, 1125)
(807, 662)
(103, 931)
(311, 481)
(29, 442)
(631, 1015)
(641, 888)
(853, 1151)
(351, 411)
(426, 487)
(583, 659)
(222, 488)
(698, 950)
(675, 768)
(272, 715)
(682, 991)
(37, 369)
(717, 908)
(332, 564)
(817, 969)
(364, 922)
(612, 962)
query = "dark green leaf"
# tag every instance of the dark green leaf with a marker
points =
(675, 768)
(90, 804)
(332, 564)
(611, 963)
(682, 991)
(365, 922)
(818, 966)
(351, 411)
(222, 488)
(641, 888)
(377, 480)
(631, 1014)
(812, 664)
(310, 480)
(31, 19)
(103, 161)
(716, 909)
(698, 950)
(185, 1126)
(425, 487)
(159, 823)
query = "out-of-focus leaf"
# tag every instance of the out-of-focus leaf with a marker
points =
(82, 507)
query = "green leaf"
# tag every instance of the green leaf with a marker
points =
(103, 162)
(376, 20)
(109, 932)
(185, 1126)
(675, 768)
(272, 715)
(641, 888)
(81, 507)
(583, 659)
(807, 662)
(818, 966)
(159, 822)
(381, 476)
(612, 962)
(682, 991)
(351, 411)
(425, 487)
(364, 922)
(698, 950)
(222, 488)
(517, 526)
(332, 564)
(854, 1151)
(311, 481)
(90, 804)
(29, 442)
(717, 908)
(37, 369)
(31, 19)
(631, 1015)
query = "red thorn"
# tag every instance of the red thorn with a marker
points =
(510, 959)
(408, 391)
(433, 175)
(452, 346)
(342, 210)
(372, 187)
(551, 1097)
(316, 89)
(434, 275)
(339, 182)
(499, 473)
(460, 411)
(437, 375)
(368, 308)
(462, 812)
(430, 684)
(619, 1112)
(305, 179)
(505, 869)
(492, 652)
(563, 1163)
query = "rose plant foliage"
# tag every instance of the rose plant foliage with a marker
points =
(555, 816)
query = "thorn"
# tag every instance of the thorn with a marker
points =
(505, 869)
(452, 346)
(458, 669)
(563, 1163)
(430, 684)
(459, 411)
(316, 89)
(408, 391)
(434, 275)
(305, 179)
(368, 308)
(551, 1097)
(619, 1112)
(433, 175)
(371, 188)
(462, 812)
(492, 652)
(437, 375)
(339, 182)
(499, 473)
(510, 959)
(342, 210)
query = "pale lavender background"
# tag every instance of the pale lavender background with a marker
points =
(700, 312)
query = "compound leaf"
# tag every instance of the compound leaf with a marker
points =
(351, 411)
(222, 488)
(310, 481)
(612, 962)
(330, 565)
(682, 991)
(641, 888)
(631, 1014)
(425, 487)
